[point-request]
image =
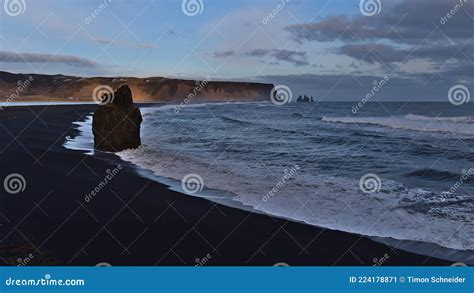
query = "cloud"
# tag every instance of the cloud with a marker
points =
(297, 58)
(258, 52)
(373, 53)
(125, 44)
(8, 56)
(418, 39)
(381, 53)
(224, 54)
(409, 22)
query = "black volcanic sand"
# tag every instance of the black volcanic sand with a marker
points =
(136, 221)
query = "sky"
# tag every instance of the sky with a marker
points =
(332, 49)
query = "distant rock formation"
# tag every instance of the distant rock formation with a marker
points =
(305, 99)
(116, 125)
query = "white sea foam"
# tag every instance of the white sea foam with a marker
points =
(334, 203)
(85, 140)
(455, 125)
(326, 201)
(461, 119)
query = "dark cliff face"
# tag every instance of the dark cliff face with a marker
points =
(152, 89)
(116, 125)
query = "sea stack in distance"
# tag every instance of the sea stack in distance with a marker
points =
(116, 123)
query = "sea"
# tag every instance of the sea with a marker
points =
(398, 173)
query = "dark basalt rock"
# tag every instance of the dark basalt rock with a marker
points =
(305, 99)
(116, 125)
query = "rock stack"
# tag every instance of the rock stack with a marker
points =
(305, 99)
(116, 125)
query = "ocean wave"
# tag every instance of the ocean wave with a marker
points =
(183, 106)
(389, 213)
(461, 119)
(311, 199)
(236, 120)
(453, 125)
(434, 174)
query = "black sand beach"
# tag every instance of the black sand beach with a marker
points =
(136, 221)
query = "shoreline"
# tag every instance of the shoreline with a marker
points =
(192, 227)
(226, 198)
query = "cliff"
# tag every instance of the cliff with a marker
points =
(39, 87)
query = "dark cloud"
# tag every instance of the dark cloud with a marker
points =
(381, 53)
(373, 53)
(298, 58)
(7, 56)
(224, 54)
(439, 32)
(409, 22)
(123, 43)
(258, 52)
